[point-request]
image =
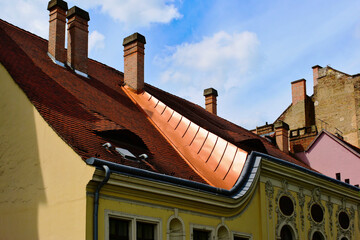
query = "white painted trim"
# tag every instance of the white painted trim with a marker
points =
(241, 234)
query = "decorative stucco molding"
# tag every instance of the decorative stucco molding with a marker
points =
(301, 199)
(283, 219)
(341, 232)
(314, 225)
(269, 191)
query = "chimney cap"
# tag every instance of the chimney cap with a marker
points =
(316, 66)
(57, 3)
(281, 124)
(134, 37)
(79, 12)
(210, 91)
(300, 80)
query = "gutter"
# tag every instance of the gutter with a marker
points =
(243, 184)
(96, 201)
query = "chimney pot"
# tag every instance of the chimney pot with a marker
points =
(77, 51)
(298, 90)
(57, 22)
(134, 52)
(210, 100)
(281, 135)
(338, 176)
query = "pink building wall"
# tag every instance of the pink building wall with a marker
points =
(329, 156)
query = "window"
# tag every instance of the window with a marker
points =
(240, 238)
(317, 236)
(286, 206)
(317, 213)
(201, 234)
(286, 233)
(119, 229)
(131, 227)
(344, 220)
(145, 231)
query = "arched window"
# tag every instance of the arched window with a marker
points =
(223, 233)
(318, 236)
(176, 231)
(286, 233)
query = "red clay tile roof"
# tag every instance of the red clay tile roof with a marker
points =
(88, 112)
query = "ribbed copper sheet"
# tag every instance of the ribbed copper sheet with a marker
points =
(217, 161)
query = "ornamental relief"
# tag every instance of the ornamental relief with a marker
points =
(329, 206)
(285, 208)
(269, 191)
(316, 212)
(301, 199)
(345, 221)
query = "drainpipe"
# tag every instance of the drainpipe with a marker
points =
(96, 201)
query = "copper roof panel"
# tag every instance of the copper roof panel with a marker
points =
(217, 154)
(226, 160)
(208, 146)
(175, 120)
(217, 161)
(183, 126)
(160, 107)
(237, 165)
(199, 140)
(190, 134)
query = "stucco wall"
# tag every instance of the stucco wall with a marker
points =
(329, 157)
(42, 180)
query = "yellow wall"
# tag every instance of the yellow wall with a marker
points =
(123, 198)
(42, 180)
(123, 202)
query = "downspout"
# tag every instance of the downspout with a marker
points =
(96, 201)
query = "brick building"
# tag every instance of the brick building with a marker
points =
(334, 107)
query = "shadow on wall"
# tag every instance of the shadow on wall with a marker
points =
(21, 185)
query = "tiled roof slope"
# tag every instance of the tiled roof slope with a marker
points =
(88, 112)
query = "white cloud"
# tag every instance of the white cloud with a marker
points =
(221, 61)
(135, 12)
(96, 41)
(27, 14)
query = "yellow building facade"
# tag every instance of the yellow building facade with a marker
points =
(85, 156)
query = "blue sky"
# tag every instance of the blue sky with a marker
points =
(249, 50)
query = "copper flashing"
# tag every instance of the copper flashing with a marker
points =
(216, 160)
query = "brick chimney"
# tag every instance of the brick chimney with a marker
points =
(281, 135)
(57, 22)
(316, 74)
(134, 52)
(77, 50)
(298, 90)
(210, 100)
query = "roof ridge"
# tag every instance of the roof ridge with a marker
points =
(23, 30)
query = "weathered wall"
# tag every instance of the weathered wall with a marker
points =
(336, 103)
(42, 180)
